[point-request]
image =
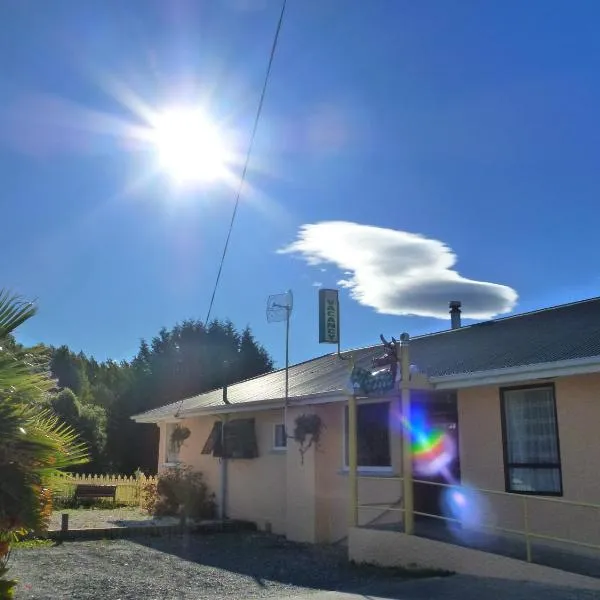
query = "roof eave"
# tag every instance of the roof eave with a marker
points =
(510, 375)
(240, 407)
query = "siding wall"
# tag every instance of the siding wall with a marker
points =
(310, 501)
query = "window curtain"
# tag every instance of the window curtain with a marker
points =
(531, 440)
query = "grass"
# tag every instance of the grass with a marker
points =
(33, 543)
(66, 504)
(78, 509)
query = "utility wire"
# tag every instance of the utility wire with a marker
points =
(247, 160)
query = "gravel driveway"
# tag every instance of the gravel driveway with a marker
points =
(229, 565)
(90, 518)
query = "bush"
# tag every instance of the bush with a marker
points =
(179, 491)
(149, 497)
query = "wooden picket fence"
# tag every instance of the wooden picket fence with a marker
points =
(128, 486)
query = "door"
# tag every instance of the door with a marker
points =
(441, 465)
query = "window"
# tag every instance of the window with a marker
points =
(234, 439)
(531, 449)
(172, 452)
(279, 437)
(373, 436)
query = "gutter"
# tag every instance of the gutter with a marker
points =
(242, 407)
(547, 370)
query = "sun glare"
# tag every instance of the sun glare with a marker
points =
(190, 148)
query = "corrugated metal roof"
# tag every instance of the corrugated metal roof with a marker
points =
(569, 331)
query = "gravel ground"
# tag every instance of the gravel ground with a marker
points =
(223, 566)
(91, 518)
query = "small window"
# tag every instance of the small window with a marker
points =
(279, 437)
(172, 451)
(531, 448)
(373, 436)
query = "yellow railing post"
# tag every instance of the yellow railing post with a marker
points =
(352, 461)
(407, 461)
(526, 528)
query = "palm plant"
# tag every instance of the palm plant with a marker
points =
(34, 444)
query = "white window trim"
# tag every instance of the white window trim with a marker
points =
(275, 446)
(345, 468)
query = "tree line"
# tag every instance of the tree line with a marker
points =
(97, 399)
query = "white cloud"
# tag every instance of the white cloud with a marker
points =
(398, 273)
(317, 284)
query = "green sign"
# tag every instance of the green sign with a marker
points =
(329, 317)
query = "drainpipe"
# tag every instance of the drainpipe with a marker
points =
(223, 474)
(223, 464)
(455, 314)
(407, 459)
(352, 460)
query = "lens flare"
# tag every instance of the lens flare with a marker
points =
(433, 449)
(466, 505)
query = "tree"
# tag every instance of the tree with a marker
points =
(88, 420)
(98, 398)
(34, 444)
(70, 371)
(67, 406)
(179, 363)
(254, 359)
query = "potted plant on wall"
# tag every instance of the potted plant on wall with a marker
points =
(307, 432)
(179, 434)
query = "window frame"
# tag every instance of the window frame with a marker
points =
(366, 469)
(531, 465)
(275, 446)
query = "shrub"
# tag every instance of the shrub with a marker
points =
(179, 491)
(149, 497)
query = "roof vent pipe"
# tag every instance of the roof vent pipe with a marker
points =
(455, 314)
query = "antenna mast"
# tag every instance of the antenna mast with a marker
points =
(279, 308)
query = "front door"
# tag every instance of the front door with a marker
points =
(440, 417)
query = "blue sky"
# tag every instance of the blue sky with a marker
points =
(472, 124)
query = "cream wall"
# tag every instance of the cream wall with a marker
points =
(481, 457)
(256, 487)
(332, 482)
(306, 501)
(310, 502)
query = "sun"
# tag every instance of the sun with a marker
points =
(190, 147)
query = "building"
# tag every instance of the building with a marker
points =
(518, 396)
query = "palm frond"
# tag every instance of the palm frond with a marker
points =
(14, 311)
(34, 443)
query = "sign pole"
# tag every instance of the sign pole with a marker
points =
(407, 459)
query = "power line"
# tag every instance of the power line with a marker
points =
(247, 160)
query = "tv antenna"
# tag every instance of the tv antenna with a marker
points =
(279, 308)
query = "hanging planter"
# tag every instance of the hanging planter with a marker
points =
(178, 436)
(307, 432)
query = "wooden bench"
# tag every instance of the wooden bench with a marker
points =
(89, 492)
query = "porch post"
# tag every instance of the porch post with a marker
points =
(352, 461)
(407, 461)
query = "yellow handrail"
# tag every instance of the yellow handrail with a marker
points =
(525, 500)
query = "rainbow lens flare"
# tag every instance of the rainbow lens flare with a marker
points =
(428, 446)
(433, 450)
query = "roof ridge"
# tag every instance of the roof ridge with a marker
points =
(465, 327)
(546, 309)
